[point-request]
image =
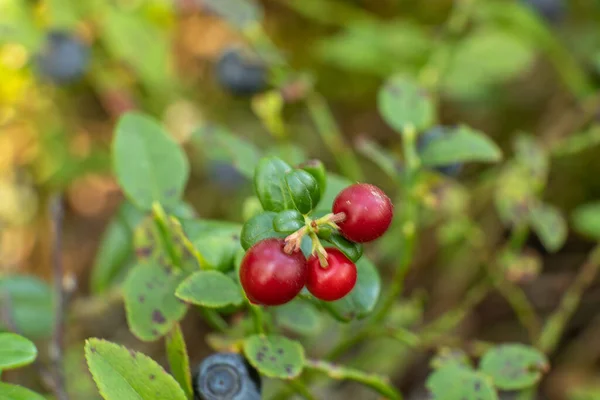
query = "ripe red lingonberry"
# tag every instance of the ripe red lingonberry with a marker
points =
(271, 277)
(368, 212)
(334, 281)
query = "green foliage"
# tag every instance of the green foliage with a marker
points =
(514, 366)
(353, 251)
(549, 224)
(123, 374)
(361, 301)
(258, 228)
(209, 289)
(586, 220)
(270, 185)
(275, 356)
(150, 301)
(405, 105)
(160, 170)
(462, 144)
(299, 316)
(179, 360)
(317, 169)
(288, 221)
(14, 392)
(15, 351)
(303, 189)
(32, 305)
(455, 382)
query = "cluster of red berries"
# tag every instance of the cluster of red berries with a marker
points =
(271, 276)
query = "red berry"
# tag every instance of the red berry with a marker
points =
(368, 212)
(271, 277)
(334, 281)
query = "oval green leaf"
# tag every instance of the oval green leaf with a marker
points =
(353, 251)
(299, 316)
(123, 374)
(317, 169)
(14, 392)
(209, 289)
(150, 302)
(586, 220)
(362, 299)
(303, 189)
(31, 305)
(275, 356)
(288, 221)
(160, 171)
(454, 382)
(258, 228)
(550, 226)
(514, 366)
(461, 144)
(15, 351)
(404, 105)
(270, 186)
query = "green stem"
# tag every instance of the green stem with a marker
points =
(556, 324)
(213, 319)
(376, 382)
(332, 137)
(161, 222)
(258, 318)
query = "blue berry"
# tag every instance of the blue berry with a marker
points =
(430, 136)
(551, 10)
(225, 176)
(63, 59)
(240, 75)
(227, 376)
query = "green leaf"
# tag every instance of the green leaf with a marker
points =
(32, 305)
(259, 227)
(179, 361)
(353, 251)
(275, 356)
(270, 186)
(150, 301)
(531, 155)
(14, 392)
(209, 289)
(217, 142)
(317, 169)
(216, 241)
(239, 13)
(116, 248)
(146, 50)
(514, 366)
(123, 374)
(362, 299)
(462, 144)
(586, 220)
(288, 221)
(454, 382)
(550, 226)
(446, 356)
(514, 195)
(15, 351)
(299, 316)
(403, 104)
(484, 60)
(303, 189)
(160, 170)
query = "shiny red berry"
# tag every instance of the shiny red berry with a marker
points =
(368, 212)
(334, 281)
(271, 277)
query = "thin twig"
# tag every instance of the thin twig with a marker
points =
(57, 343)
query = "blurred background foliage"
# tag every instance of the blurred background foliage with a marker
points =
(504, 67)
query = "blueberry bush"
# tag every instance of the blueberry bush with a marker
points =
(434, 235)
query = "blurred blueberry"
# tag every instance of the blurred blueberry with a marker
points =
(63, 59)
(430, 136)
(551, 10)
(240, 75)
(225, 175)
(226, 376)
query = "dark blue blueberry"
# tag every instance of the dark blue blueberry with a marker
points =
(226, 376)
(63, 59)
(430, 136)
(551, 10)
(225, 176)
(239, 74)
